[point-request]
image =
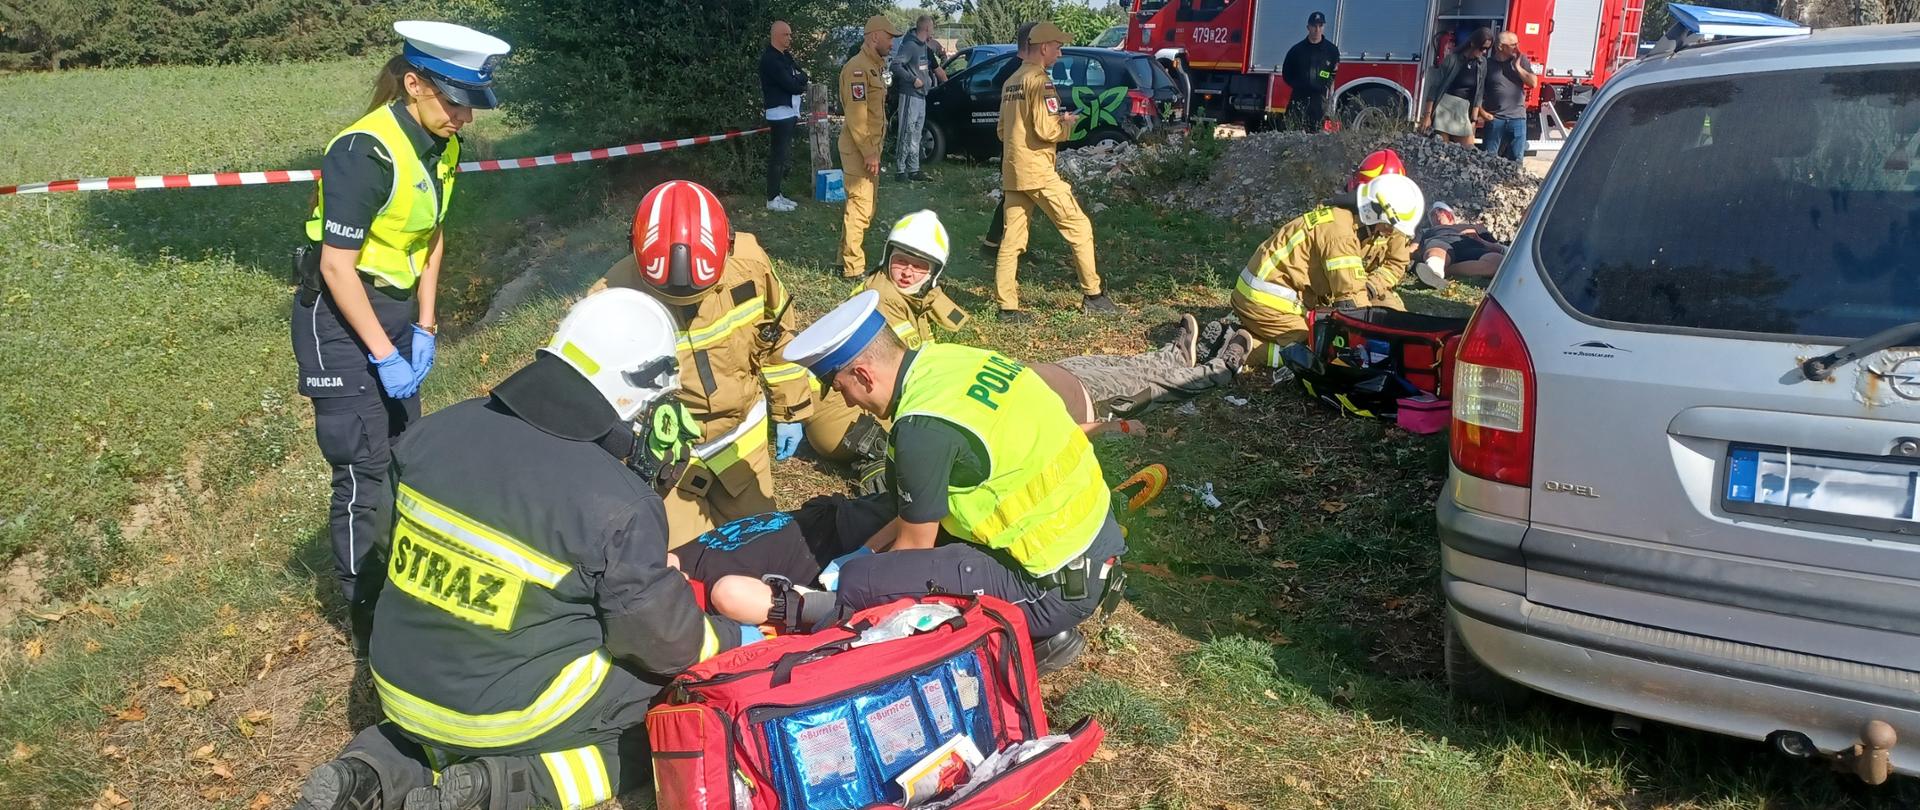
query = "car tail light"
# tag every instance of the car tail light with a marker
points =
(1493, 400)
(1142, 103)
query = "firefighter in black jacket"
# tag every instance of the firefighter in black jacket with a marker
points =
(529, 614)
(1308, 72)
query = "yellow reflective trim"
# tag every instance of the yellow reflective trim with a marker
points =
(718, 330)
(580, 358)
(908, 334)
(447, 576)
(709, 642)
(482, 542)
(1267, 299)
(732, 454)
(1352, 407)
(1064, 468)
(576, 684)
(579, 776)
(1345, 263)
(782, 373)
(1272, 260)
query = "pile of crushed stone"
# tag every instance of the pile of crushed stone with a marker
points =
(1270, 177)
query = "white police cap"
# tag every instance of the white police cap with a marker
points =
(458, 59)
(833, 341)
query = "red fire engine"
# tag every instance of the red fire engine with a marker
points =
(1229, 52)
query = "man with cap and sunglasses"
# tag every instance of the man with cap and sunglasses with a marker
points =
(363, 321)
(997, 490)
(1032, 126)
(733, 318)
(863, 97)
(1308, 71)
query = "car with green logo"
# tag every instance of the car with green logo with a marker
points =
(1119, 96)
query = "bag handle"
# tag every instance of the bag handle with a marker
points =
(783, 668)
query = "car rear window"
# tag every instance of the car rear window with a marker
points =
(1780, 202)
(1141, 69)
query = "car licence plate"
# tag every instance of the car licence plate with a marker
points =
(1875, 493)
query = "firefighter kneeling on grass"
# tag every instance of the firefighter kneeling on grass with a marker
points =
(1331, 256)
(911, 300)
(529, 613)
(997, 489)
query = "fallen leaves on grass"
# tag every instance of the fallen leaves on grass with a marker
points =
(196, 698)
(248, 724)
(172, 682)
(22, 752)
(266, 666)
(261, 801)
(90, 646)
(34, 648)
(1285, 565)
(133, 713)
(111, 798)
(1333, 507)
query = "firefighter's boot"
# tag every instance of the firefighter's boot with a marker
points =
(1055, 652)
(343, 784)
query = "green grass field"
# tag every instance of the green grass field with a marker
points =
(1281, 651)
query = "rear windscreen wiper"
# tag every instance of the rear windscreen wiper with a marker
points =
(1820, 368)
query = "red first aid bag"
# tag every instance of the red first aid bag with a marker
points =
(817, 722)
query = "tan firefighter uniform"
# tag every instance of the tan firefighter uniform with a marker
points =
(1030, 128)
(724, 358)
(863, 95)
(1314, 261)
(1387, 260)
(913, 319)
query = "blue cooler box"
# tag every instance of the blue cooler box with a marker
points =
(829, 185)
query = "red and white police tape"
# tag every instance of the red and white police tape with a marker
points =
(309, 175)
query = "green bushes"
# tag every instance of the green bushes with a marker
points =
(619, 72)
(56, 34)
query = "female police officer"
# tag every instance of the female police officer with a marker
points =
(363, 320)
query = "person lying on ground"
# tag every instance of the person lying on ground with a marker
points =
(1452, 248)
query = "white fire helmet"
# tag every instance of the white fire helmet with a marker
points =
(921, 234)
(1394, 199)
(624, 342)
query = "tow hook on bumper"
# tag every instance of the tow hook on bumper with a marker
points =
(1868, 759)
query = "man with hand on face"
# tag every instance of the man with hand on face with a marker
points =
(863, 96)
(996, 488)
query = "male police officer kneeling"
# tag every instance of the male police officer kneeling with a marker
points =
(528, 591)
(998, 490)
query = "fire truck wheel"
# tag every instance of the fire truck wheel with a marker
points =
(1371, 106)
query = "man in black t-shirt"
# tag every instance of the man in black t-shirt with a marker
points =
(1509, 77)
(1308, 72)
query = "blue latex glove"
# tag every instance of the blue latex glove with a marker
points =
(830, 575)
(396, 375)
(786, 439)
(750, 634)
(422, 360)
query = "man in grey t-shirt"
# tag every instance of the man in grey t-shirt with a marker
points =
(1509, 76)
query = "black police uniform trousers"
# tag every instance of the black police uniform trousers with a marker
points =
(355, 423)
(1307, 110)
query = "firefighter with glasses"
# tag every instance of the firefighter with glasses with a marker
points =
(908, 285)
(1321, 259)
(731, 314)
(363, 320)
(529, 615)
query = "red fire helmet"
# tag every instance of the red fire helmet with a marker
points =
(680, 240)
(1385, 161)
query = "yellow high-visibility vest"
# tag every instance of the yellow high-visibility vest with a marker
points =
(395, 250)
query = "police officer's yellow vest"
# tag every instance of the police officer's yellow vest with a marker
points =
(397, 242)
(1044, 499)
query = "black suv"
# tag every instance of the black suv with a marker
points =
(1118, 95)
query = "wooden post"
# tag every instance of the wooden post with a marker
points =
(819, 131)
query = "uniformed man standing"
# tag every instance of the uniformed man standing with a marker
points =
(363, 323)
(732, 315)
(1031, 127)
(996, 488)
(863, 96)
(913, 304)
(529, 613)
(1321, 259)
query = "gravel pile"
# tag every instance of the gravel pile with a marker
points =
(1270, 177)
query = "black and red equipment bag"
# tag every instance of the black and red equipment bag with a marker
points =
(1364, 361)
(813, 722)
